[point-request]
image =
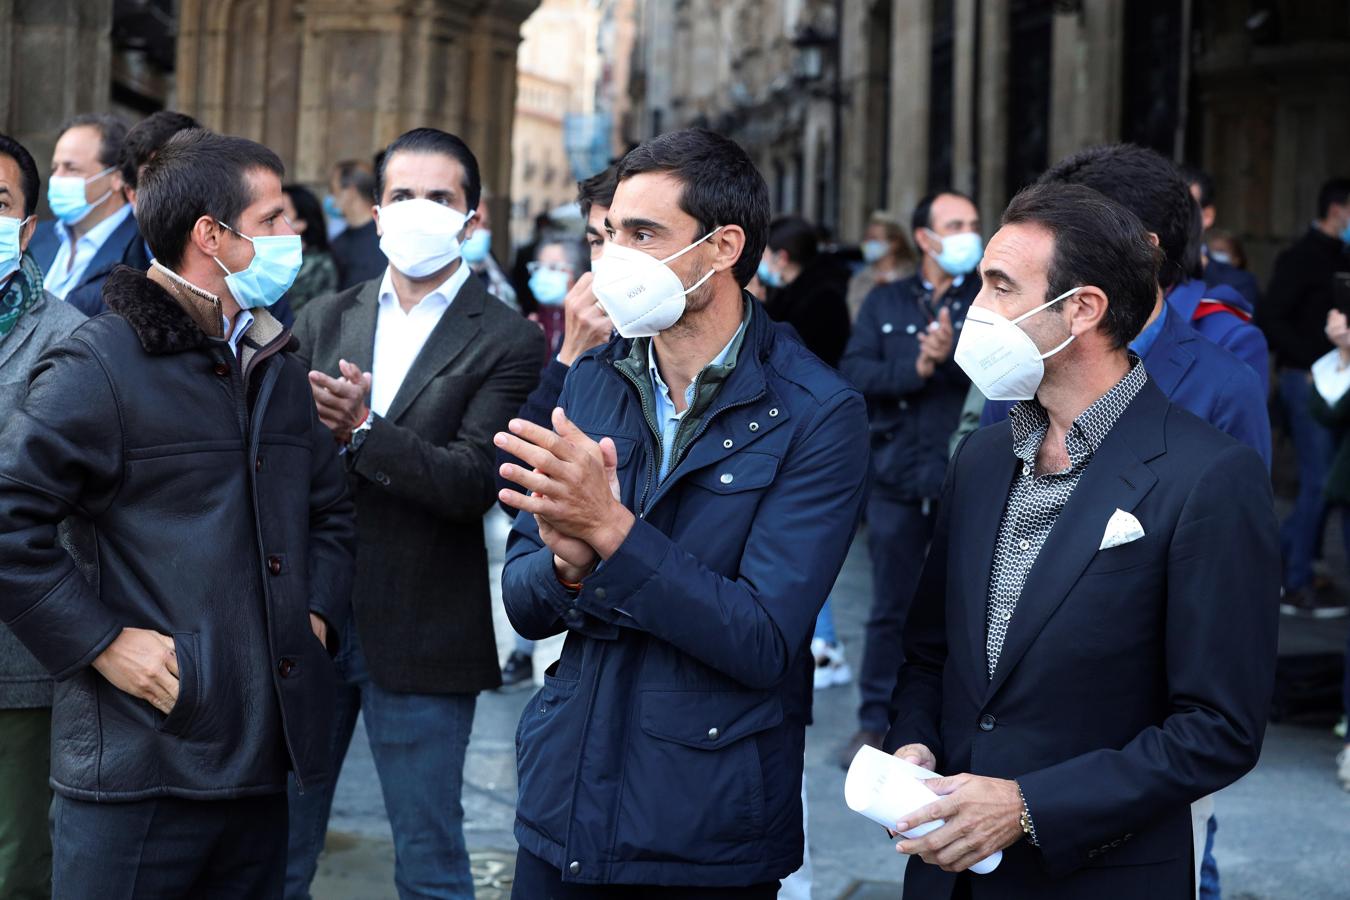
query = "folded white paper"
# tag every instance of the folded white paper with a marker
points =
(886, 789)
(1330, 378)
(1122, 529)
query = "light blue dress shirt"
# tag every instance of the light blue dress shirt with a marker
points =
(241, 325)
(666, 416)
(63, 277)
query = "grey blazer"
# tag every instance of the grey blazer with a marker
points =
(24, 684)
(423, 480)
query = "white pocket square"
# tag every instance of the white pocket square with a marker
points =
(1122, 529)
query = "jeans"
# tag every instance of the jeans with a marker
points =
(825, 624)
(897, 540)
(1300, 535)
(418, 742)
(25, 844)
(169, 847)
(1209, 868)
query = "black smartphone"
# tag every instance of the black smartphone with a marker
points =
(1340, 292)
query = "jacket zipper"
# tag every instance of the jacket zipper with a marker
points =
(650, 416)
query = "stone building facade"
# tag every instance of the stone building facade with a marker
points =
(854, 105)
(316, 80)
(558, 67)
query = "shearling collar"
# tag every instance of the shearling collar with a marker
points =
(203, 307)
(169, 315)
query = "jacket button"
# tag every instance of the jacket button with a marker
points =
(221, 368)
(601, 594)
(574, 868)
(727, 478)
(257, 464)
(728, 443)
(904, 404)
(274, 565)
(987, 722)
(382, 478)
(773, 413)
(286, 667)
(713, 734)
(754, 426)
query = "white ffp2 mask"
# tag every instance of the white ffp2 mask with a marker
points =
(1001, 359)
(420, 237)
(641, 294)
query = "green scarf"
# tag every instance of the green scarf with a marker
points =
(17, 297)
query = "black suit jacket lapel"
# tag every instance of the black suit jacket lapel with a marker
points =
(356, 343)
(459, 325)
(986, 497)
(1116, 478)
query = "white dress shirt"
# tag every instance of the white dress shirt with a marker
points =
(400, 336)
(62, 277)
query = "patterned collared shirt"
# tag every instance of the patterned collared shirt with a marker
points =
(1035, 501)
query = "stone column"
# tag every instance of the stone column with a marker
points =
(912, 49)
(993, 87)
(1085, 80)
(489, 89)
(55, 62)
(325, 80)
(964, 92)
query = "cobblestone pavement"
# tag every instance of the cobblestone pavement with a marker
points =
(1284, 830)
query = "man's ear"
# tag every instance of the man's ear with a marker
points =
(728, 245)
(1088, 313)
(207, 236)
(1153, 236)
(26, 233)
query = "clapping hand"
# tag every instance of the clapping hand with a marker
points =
(935, 344)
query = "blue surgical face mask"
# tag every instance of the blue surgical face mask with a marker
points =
(1219, 256)
(960, 252)
(549, 286)
(276, 262)
(332, 210)
(65, 195)
(10, 252)
(875, 251)
(475, 248)
(768, 277)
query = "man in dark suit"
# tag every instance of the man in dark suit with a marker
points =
(95, 230)
(414, 372)
(357, 249)
(1092, 644)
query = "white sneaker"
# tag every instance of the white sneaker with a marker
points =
(1342, 766)
(831, 667)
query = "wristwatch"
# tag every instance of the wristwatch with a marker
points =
(1028, 826)
(360, 432)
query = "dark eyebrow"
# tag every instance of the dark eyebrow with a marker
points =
(1000, 275)
(591, 229)
(630, 224)
(272, 213)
